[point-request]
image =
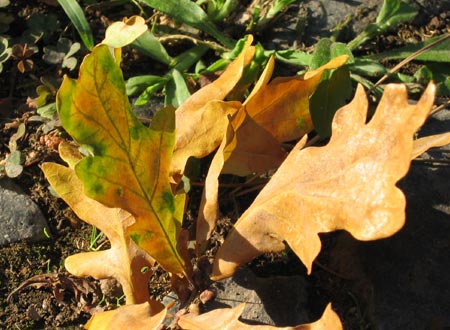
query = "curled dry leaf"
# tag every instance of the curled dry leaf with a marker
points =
(120, 34)
(124, 260)
(228, 319)
(201, 120)
(282, 106)
(136, 317)
(273, 113)
(348, 184)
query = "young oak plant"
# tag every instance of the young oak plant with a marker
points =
(123, 186)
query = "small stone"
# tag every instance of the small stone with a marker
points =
(20, 217)
(275, 300)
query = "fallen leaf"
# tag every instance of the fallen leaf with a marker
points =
(120, 34)
(282, 106)
(136, 317)
(423, 144)
(349, 184)
(201, 134)
(124, 261)
(250, 148)
(246, 148)
(129, 166)
(201, 120)
(274, 112)
(228, 319)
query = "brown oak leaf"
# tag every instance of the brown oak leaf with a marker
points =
(348, 184)
(228, 319)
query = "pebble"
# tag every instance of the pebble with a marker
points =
(20, 217)
(274, 300)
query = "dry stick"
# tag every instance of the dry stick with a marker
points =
(410, 58)
(439, 108)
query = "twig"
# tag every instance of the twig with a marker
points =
(211, 44)
(410, 58)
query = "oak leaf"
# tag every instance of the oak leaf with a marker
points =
(228, 319)
(124, 261)
(348, 184)
(136, 317)
(129, 165)
(273, 113)
(202, 120)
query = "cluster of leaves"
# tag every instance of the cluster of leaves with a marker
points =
(128, 180)
(329, 96)
(127, 183)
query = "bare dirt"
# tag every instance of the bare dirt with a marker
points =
(35, 290)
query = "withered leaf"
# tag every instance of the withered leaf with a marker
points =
(136, 317)
(124, 260)
(201, 120)
(348, 184)
(228, 319)
(274, 112)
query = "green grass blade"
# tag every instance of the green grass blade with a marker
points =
(438, 53)
(149, 45)
(190, 13)
(76, 16)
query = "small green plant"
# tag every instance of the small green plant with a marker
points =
(94, 239)
(5, 52)
(62, 53)
(12, 165)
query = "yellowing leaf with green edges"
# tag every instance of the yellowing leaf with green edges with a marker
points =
(129, 168)
(228, 319)
(124, 260)
(349, 184)
(120, 34)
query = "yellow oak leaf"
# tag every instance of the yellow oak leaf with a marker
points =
(124, 261)
(348, 184)
(228, 319)
(129, 163)
(136, 317)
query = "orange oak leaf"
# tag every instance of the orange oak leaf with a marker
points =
(124, 261)
(274, 112)
(423, 144)
(282, 106)
(348, 184)
(136, 317)
(201, 120)
(246, 148)
(228, 319)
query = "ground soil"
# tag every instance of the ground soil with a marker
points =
(35, 290)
